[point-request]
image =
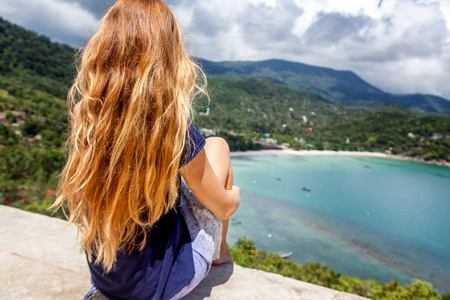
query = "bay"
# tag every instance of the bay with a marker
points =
(373, 218)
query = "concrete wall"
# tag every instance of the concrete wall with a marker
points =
(39, 260)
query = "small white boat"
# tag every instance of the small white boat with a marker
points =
(284, 254)
(235, 221)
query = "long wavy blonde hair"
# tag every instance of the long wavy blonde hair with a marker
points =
(130, 108)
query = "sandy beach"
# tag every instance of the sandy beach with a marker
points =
(339, 153)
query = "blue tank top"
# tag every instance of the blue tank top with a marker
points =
(165, 265)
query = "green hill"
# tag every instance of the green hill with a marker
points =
(338, 87)
(261, 106)
(34, 61)
(256, 107)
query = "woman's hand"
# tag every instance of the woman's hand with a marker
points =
(235, 193)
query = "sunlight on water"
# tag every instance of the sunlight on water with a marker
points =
(367, 217)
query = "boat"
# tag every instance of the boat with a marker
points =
(235, 221)
(284, 254)
(306, 189)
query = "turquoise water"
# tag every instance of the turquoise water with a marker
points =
(390, 221)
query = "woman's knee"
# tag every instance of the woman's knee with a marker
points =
(217, 144)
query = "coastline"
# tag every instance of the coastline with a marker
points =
(361, 251)
(441, 163)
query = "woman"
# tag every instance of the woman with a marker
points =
(145, 234)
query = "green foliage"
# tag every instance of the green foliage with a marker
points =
(42, 207)
(30, 127)
(34, 60)
(244, 253)
(261, 106)
(7, 136)
(379, 130)
(30, 141)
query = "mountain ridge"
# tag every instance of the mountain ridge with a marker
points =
(344, 88)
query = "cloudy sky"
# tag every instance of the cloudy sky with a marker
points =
(400, 46)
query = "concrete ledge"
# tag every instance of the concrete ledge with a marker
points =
(39, 260)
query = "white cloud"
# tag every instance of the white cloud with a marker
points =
(63, 22)
(401, 46)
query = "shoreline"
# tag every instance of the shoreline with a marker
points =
(441, 163)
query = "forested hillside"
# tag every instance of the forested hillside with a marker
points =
(259, 108)
(34, 61)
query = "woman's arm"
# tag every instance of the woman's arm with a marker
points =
(206, 186)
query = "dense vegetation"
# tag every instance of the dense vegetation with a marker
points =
(245, 254)
(31, 140)
(257, 107)
(35, 61)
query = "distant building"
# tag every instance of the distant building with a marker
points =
(271, 141)
(205, 113)
(3, 119)
(267, 142)
(436, 136)
(18, 123)
(207, 132)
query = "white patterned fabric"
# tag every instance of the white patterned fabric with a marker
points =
(206, 234)
(205, 229)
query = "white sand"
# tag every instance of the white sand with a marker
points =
(309, 153)
(337, 153)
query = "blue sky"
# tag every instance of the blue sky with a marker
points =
(400, 46)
